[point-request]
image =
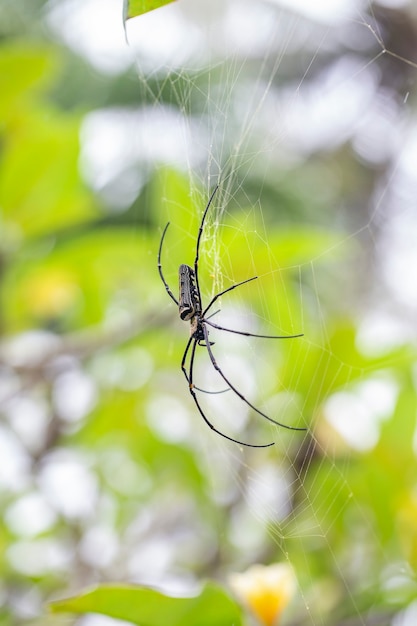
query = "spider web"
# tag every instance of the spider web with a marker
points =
(270, 103)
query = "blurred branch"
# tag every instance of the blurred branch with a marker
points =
(81, 345)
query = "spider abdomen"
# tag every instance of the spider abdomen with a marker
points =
(189, 302)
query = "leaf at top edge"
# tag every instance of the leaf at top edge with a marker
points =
(148, 607)
(133, 8)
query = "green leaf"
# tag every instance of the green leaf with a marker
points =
(148, 607)
(40, 186)
(23, 69)
(133, 8)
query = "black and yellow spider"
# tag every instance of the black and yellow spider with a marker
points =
(191, 309)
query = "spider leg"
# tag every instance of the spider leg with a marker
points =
(169, 292)
(240, 395)
(211, 392)
(184, 358)
(209, 424)
(213, 314)
(218, 295)
(200, 232)
(241, 332)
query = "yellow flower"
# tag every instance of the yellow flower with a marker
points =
(51, 292)
(266, 590)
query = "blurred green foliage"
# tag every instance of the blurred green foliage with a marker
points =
(83, 282)
(133, 8)
(146, 606)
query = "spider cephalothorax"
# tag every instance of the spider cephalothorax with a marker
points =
(191, 309)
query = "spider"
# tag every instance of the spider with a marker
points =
(191, 309)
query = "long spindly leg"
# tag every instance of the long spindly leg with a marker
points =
(169, 292)
(246, 334)
(218, 295)
(240, 395)
(200, 232)
(184, 369)
(200, 410)
(184, 358)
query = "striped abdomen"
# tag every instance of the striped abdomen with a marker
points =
(189, 303)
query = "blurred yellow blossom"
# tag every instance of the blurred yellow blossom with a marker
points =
(51, 292)
(265, 590)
